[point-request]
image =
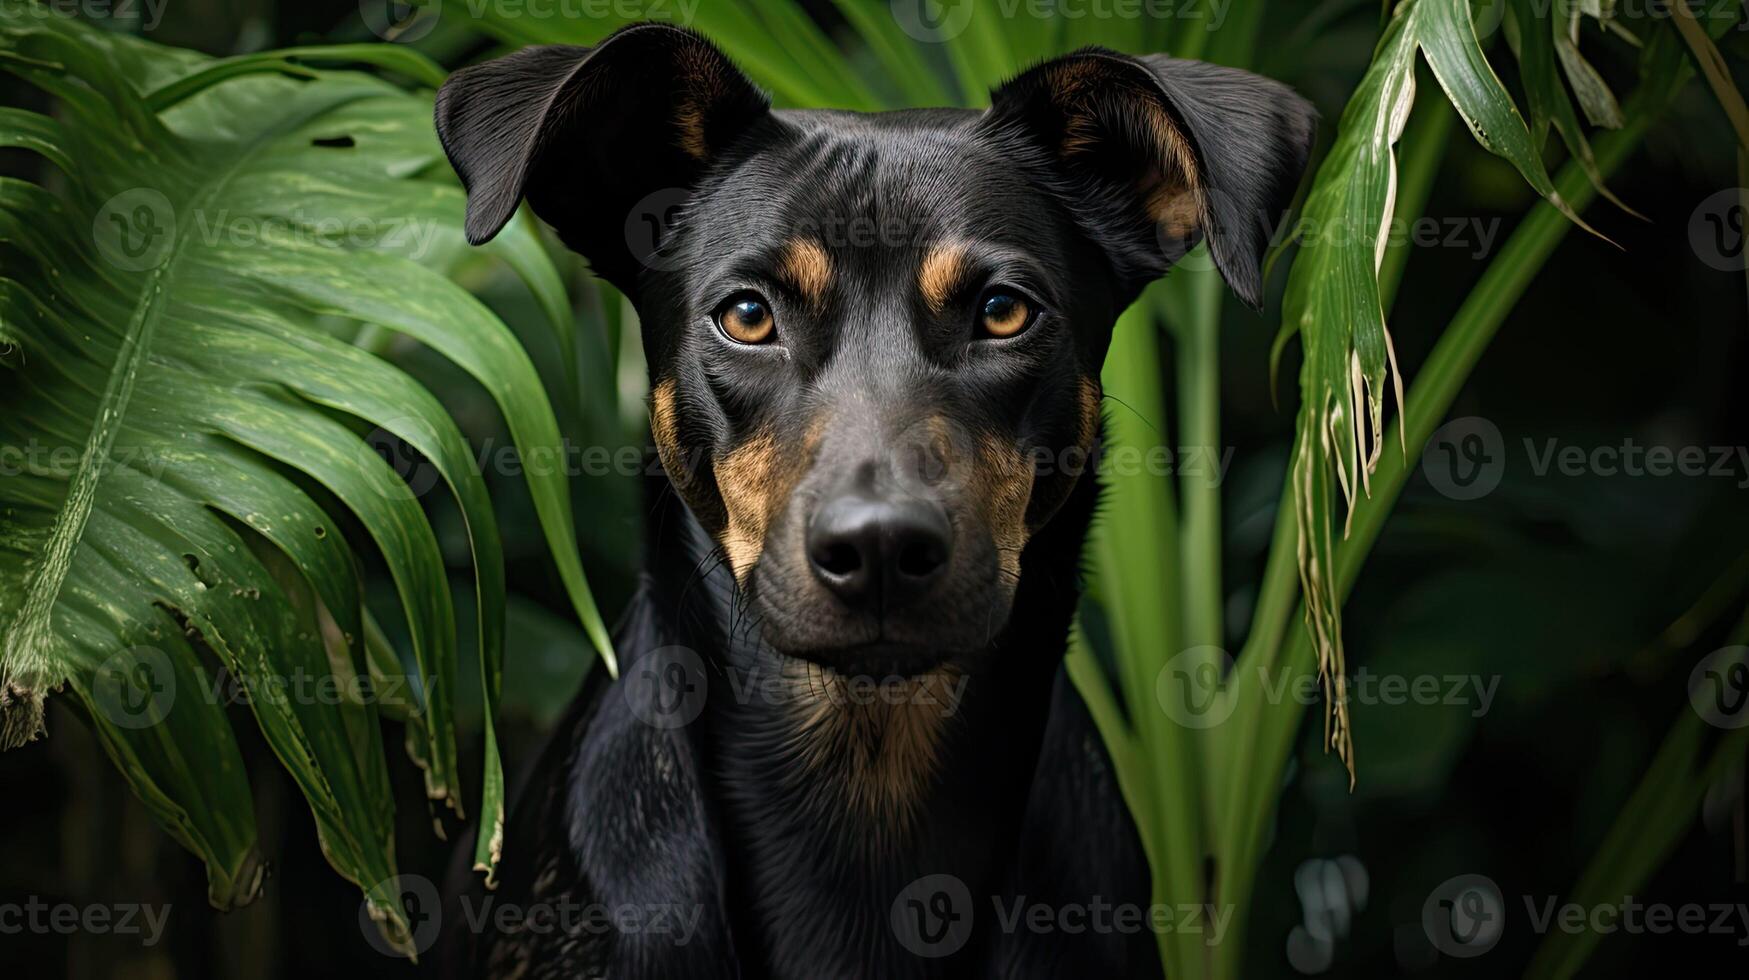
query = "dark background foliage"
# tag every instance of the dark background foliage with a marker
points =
(1589, 598)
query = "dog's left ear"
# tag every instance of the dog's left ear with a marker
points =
(593, 136)
(1154, 154)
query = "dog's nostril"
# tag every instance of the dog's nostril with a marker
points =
(920, 558)
(838, 558)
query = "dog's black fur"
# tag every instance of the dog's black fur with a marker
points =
(738, 774)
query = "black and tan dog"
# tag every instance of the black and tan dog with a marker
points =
(844, 744)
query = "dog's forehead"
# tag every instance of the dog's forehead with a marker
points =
(883, 182)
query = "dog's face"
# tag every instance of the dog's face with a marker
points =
(875, 340)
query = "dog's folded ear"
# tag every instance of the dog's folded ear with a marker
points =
(1154, 154)
(587, 133)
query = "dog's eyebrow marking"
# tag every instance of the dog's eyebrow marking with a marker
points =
(942, 273)
(807, 268)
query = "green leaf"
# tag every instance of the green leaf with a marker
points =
(1333, 298)
(1533, 42)
(1593, 92)
(198, 480)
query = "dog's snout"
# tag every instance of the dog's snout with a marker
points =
(879, 552)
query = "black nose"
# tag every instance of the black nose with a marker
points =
(879, 552)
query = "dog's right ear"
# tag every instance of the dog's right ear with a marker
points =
(587, 133)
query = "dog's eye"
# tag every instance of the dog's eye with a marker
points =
(746, 319)
(1005, 313)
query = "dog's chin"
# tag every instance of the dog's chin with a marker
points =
(878, 661)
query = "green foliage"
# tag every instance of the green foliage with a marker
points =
(177, 307)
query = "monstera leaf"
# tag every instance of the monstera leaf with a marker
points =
(192, 483)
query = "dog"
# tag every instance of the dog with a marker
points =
(843, 742)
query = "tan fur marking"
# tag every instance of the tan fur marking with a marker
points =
(1090, 397)
(665, 430)
(1171, 189)
(806, 266)
(1174, 191)
(1002, 484)
(755, 480)
(875, 751)
(943, 271)
(747, 478)
(702, 78)
(665, 427)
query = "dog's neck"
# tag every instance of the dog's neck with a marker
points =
(835, 793)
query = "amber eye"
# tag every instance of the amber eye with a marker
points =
(1005, 313)
(746, 319)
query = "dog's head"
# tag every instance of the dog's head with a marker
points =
(874, 341)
